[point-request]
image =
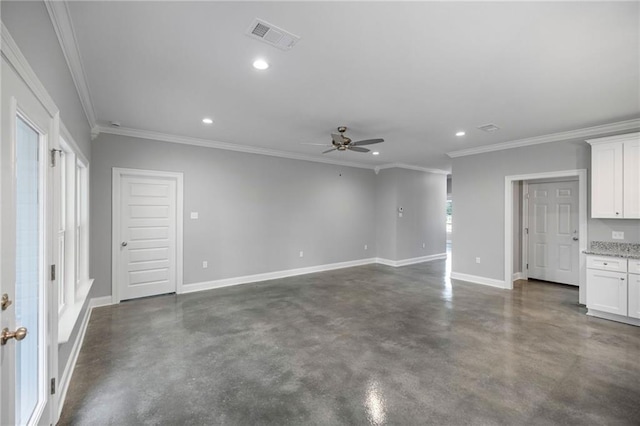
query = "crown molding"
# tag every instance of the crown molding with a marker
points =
(206, 143)
(410, 167)
(16, 59)
(63, 26)
(187, 140)
(587, 132)
(616, 138)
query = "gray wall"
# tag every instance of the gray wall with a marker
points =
(423, 197)
(31, 28)
(256, 213)
(386, 214)
(600, 230)
(479, 198)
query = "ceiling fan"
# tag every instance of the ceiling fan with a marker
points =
(340, 142)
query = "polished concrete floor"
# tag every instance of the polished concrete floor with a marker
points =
(366, 345)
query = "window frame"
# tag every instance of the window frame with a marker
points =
(73, 281)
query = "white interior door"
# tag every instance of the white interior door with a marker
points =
(27, 318)
(553, 232)
(146, 246)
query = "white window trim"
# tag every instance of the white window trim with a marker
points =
(75, 295)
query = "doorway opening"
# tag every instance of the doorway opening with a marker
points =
(547, 230)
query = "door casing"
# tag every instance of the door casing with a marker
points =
(32, 104)
(581, 174)
(117, 175)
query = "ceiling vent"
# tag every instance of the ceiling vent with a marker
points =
(489, 127)
(270, 34)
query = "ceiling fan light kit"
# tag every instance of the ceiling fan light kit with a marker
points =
(340, 142)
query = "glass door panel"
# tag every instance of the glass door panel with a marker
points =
(29, 275)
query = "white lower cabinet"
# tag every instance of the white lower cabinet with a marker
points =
(607, 291)
(634, 295)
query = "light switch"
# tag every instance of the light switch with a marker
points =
(194, 215)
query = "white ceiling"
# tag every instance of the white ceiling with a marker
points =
(412, 73)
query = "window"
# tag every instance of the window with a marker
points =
(62, 224)
(73, 238)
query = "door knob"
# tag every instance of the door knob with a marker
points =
(575, 238)
(19, 334)
(124, 244)
(5, 303)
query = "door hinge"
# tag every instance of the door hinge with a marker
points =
(53, 385)
(53, 273)
(526, 230)
(53, 156)
(527, 266)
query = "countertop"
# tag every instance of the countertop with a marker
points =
(604, 248)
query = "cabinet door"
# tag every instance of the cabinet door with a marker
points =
(631, 192)
(607, 291)
(606, 180)
(634, 295)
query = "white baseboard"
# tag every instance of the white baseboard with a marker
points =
(97, 302)
(63, 383)
(517, 276)
(387, 262)
(412, 261)
(226, 282)
(478, 280)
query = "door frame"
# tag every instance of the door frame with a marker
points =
(581, 174)
(117, 174)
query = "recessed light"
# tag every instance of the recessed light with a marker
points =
(260, 64)
(375, 153)
(460, 133)
(207, 121)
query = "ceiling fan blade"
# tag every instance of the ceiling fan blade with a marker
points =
(329, 150)
(337, 139)
(367, 142)
(316, 144)
(357, 149)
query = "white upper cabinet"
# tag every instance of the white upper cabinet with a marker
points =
(615, 177)
(631, 179)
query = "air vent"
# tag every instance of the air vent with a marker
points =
(270, 34)
(489, 127)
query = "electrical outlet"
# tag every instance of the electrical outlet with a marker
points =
(365, 247)
(477, 260)
(424, 245)
(194, 215)
(205, 264)
(301, 253)
(617, 235)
